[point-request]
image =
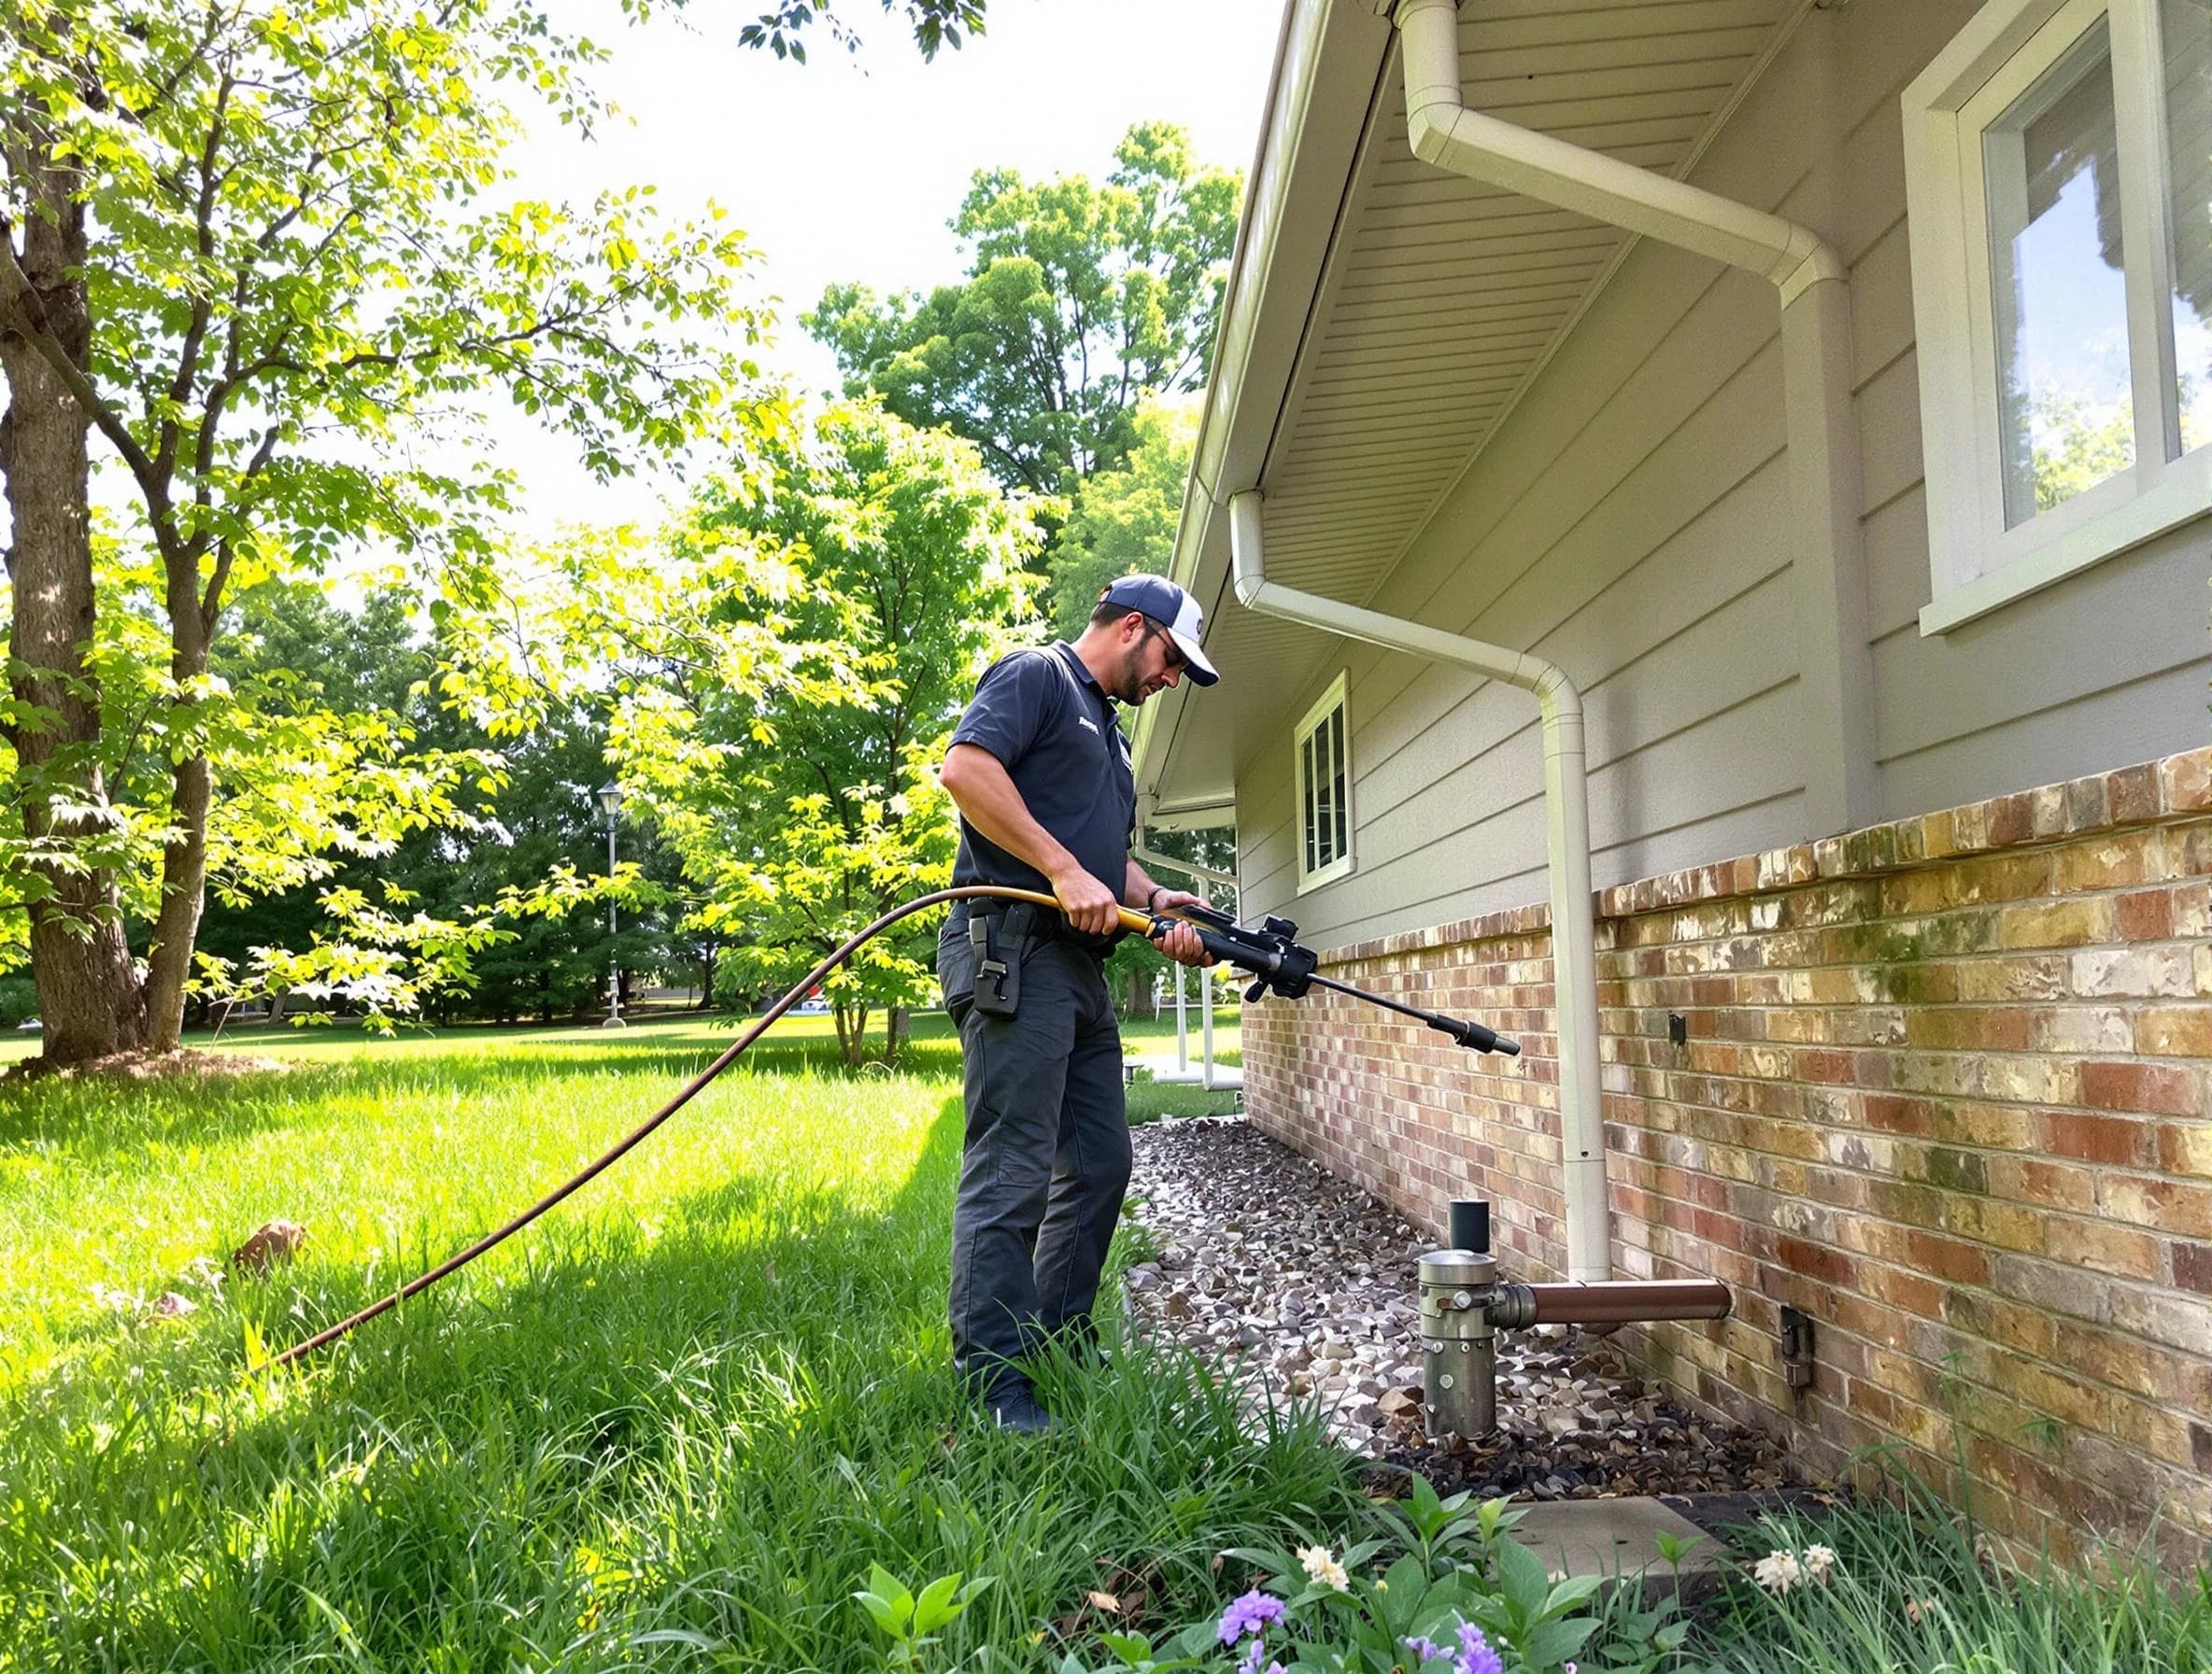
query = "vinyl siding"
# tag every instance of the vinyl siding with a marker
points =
(1631, 522)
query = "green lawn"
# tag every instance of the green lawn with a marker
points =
(673, 1423)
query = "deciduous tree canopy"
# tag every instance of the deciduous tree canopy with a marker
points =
(1081, 300)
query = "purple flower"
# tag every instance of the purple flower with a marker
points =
(1424, 1651)
(1253, 1653)
(1475, 1655)
(1249, 1614)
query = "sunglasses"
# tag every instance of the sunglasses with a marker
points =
(1176, 661)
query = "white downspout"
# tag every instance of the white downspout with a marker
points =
(1567, 834)
(1814, 288)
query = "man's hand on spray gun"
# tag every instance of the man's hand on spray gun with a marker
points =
(1090, 907)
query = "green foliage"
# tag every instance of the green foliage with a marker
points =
(300, 259)
(1123, 518)
(913, 1624)
(936, 24)
(1081, 300)
(1909, 1591)
(839, 592)
(1461, 1595)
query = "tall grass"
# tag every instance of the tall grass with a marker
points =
(1910, 1594)
(670, 1424)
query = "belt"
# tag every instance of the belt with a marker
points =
(1046, 926)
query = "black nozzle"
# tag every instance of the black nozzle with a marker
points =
(1469, 1033)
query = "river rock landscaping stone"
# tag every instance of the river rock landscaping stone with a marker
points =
(1304, 1283)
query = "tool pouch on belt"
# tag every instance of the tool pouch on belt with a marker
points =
(1000, 939)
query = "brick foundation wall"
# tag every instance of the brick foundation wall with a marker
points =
(1946, 1085)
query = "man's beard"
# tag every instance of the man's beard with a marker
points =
(1129, 687)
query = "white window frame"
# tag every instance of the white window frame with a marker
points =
(1975, 565)
(1330, 704)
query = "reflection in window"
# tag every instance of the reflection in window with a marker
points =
(2057, 297)
(2185, 27)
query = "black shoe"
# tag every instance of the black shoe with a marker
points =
(1017, 1410)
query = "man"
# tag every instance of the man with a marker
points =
(1039, 772)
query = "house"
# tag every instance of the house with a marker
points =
(1728, 481)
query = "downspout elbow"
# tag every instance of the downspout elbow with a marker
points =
(1246, 572)
(1433, 98)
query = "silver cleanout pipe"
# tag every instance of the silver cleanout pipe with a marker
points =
(1567, 834)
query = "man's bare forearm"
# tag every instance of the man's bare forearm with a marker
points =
(985, 793)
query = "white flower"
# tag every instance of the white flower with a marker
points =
(1779, 1571)
(1321, 1565)
(1819, 1560)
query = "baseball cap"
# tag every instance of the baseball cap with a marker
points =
(1172, 609)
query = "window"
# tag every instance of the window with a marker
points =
(2059, 175)
(1322, 775)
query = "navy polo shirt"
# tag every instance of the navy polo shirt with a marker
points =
(1051, 726)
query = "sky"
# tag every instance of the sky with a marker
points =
(849, 168)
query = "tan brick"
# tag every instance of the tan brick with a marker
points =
(2008, 1225)
(2186, 1148)
(2169, 1205)
(2185, 781)
(2106, 1248)
(2117, 861)
(2047, 1184)
(2058, 924)
(2175, 1031)
(2046, 1391)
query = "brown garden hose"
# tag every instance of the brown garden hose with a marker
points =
(415, 1287)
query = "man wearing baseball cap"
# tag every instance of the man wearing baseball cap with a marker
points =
(1040, 770)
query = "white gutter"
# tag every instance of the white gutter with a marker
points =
(1813, 284)
(1566, 831)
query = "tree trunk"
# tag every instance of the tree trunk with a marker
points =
(89, 994)
(184, 897)
(899, 1027)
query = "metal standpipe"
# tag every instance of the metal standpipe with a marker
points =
(1464, 1307)
(1458, 1343)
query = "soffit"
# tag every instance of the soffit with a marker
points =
(1440, 304)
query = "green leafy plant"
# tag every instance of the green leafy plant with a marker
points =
(911, 1623)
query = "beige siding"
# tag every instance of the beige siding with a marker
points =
(1631, 522)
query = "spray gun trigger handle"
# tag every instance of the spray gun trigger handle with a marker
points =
(1257, 992)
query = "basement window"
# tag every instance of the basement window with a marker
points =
(1321, 777)
(2059, 179)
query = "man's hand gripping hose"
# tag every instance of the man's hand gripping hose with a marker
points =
(1278, 963)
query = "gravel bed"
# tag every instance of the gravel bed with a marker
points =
(1307, 1282)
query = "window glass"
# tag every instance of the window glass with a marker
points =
(2058, 301)
(1341, 801)
(2185, 27)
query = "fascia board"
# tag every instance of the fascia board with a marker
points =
(1327, 60)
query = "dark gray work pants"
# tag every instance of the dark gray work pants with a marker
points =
(1046, 1160)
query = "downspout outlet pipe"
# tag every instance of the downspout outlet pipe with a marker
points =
(1566, 832)
(1464, 1307)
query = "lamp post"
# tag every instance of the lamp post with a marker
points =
(610, 799)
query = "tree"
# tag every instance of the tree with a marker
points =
(935, 22)
(1080, 301)
(256, 248)
(886, 566)
(1123, 521)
